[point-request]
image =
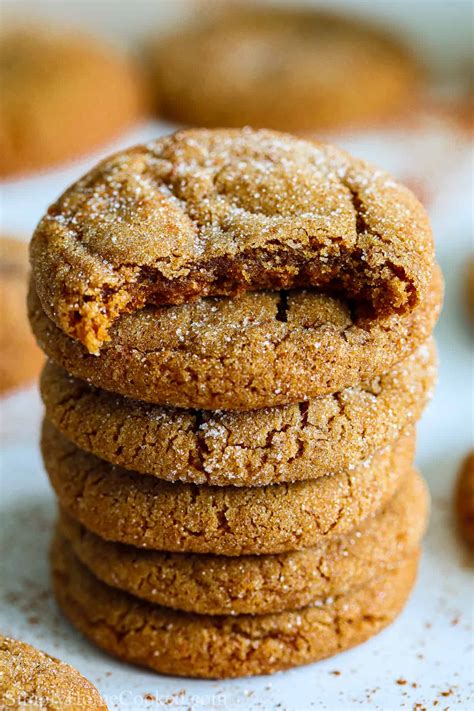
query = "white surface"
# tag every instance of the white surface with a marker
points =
(431, 645)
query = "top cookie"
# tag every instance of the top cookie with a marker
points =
(220, 212)
(286, 68)
(30, 679)
(62, 95)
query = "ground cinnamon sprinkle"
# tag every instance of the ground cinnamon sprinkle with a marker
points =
(449, 692)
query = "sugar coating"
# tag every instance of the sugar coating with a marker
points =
(147, 512)
(186, 644)
(260, 584)
(32, 679)
(324, 436)
(259, 349)
(220, 212)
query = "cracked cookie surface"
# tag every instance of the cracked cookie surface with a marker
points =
(203, 213)
(260, 584)
(238, 354)
(187, 644)
(31, 679)
(283, 68)
(144, 511)
(292, 443)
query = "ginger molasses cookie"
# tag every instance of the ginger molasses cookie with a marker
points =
(256, 350)
(260, 584)
(30, 679)
(464, 499)
(186, 644)
(62, 95)
(144, 511)
(291, 443)
(287, 68)
(212, 213)
(20, 357)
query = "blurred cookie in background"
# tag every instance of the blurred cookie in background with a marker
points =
(284, 68)
(20, 357)
(62, 95)
(464, 499)
(469, 286)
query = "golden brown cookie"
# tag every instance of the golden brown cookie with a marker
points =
(62, 96)
(147, 512)
(292, 443)
(20, 357)
(30, 679)
(209, 213)
(240, 354)
(259, 584)
(464, 499)
(288, 68)
(185, 644)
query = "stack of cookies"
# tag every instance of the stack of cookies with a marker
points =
(238, 329)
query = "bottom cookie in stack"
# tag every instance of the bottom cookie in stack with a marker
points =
(310, 604)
